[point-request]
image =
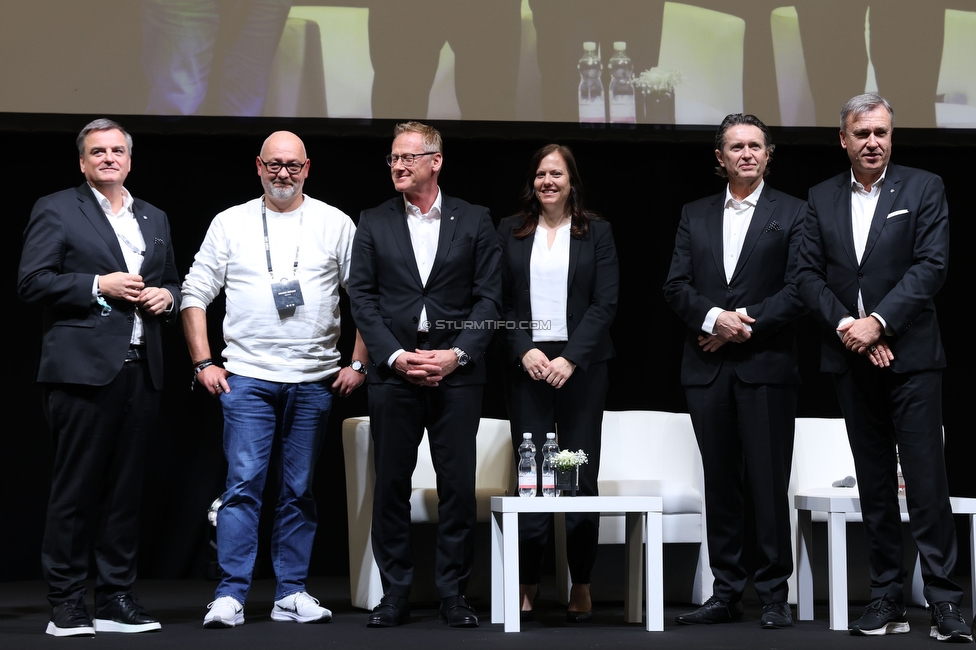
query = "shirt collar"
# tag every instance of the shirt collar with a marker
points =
(749, 201)
(856, 185)
(106, 205)
(433, 213)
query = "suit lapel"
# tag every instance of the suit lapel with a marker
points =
(401, 235)
(575, 244)
(889, 191)
(761, 216)
(714, 221)
(842, 208)
(93, 212)
(148, 232)
(449, 220)
(526, 244)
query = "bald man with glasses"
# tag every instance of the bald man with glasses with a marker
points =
(280, 260)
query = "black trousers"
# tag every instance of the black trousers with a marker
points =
(746, 430)
(100, 435)
(576, 410)
(398, 414)
(882, 409)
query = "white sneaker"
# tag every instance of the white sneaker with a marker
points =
(301, 608)
(224, 612)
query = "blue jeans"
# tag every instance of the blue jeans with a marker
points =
(260, 416)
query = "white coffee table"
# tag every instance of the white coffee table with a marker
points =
(505, 604)
(837, 503)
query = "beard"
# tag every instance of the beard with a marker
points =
(282, 193)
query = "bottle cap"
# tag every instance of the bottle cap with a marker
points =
(620, 45)
(589, 46)
(527, 436)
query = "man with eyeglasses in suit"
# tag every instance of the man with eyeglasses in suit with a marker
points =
(425, 290)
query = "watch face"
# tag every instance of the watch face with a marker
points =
(357, 365)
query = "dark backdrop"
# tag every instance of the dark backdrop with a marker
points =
(638, 179)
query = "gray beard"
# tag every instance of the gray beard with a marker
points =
(282, 193)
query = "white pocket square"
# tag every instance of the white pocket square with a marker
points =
(896, 213)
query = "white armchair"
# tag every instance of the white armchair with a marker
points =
(652, 453)
(493, 478)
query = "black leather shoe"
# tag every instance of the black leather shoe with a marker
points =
(123, 613)
(456, 612)
(776, 616)
(70, 618)
(391, 611)
(715, 610)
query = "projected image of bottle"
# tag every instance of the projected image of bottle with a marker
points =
(592, 106)
(622, 107)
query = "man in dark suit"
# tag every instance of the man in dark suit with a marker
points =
(425, 289)
(731, 282)
(101, 265)
(874, 254)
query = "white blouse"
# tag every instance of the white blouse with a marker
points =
(548, 284)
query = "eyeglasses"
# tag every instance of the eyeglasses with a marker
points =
(274, 166)
(408, 159)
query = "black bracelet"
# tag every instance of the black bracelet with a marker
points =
(200, 365)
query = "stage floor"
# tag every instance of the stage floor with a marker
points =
(181, 604)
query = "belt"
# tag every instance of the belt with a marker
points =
(135, 353)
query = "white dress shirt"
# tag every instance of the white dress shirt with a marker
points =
(735, 224)
(863, 204)
(425, 229)
(133, 247)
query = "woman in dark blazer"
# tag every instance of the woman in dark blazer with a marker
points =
(560, 277)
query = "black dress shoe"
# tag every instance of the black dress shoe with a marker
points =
(391, 611)
(578, 617)
(715, 610)
(70, 618)
(123, 613)
(456, 613)
(776, 616)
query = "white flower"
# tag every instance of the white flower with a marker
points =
(658, 80)
(567, 460)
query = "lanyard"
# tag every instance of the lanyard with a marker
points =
(132, 247)
(267, 241)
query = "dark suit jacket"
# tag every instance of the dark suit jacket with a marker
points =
(591, 300)
(903, 266)
(68, 241)
(462, 294)
(762, 283)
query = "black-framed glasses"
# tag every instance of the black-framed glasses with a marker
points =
(408, 159)
(274, 166)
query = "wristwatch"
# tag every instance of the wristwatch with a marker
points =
(358, 366)
(462, 356)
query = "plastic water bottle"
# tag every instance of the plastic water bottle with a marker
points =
(592, 106)
(549, 451)
(623, 110)
(527, 474)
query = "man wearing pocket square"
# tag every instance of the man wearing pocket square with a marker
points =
(731, 283)
(101, 265)
(425, 290)
(874, 254)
